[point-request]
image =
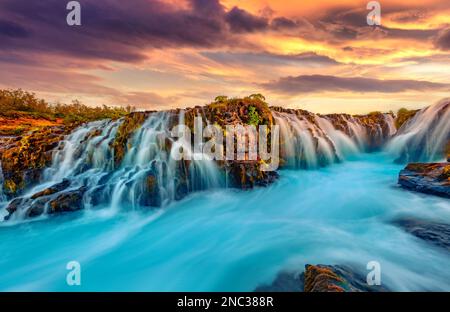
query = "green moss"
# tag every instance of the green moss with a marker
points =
(10, 186)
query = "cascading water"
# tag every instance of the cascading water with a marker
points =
(311, 141)
(84, 163)
(423, 137)
(149, 175)
(243, 239)
(2, 194)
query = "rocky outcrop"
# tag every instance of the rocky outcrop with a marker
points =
(24, 157)
(252, 110)
(434, 233)
(376, 127)
(336, 278)
(130, 124)
(428, 178)
(321, 278)
(247, 174)
(425, 137)
(55, 199)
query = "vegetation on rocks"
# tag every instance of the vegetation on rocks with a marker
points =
(30, 128)
(250, 110)
(22, 158)
(22, 111)
(130, 124)
(403, 115)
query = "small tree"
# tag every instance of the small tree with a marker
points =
(258, 96)
(221, 99)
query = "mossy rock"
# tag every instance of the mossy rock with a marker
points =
(23, 159)
(129, 125)
(403, 115)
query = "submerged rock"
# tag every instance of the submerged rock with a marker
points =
(435, 233)
(321, 278)
(428, 178)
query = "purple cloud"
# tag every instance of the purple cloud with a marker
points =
(119, 30)
(241, 21)
(320, 83)
(442, 40)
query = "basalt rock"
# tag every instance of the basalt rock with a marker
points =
(428, 178)
(435, 233)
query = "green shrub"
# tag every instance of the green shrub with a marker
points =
(253, 116)
(19, 103)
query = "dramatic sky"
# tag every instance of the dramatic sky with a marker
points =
(317, 55)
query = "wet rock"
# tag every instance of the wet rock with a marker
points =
(151, 195)
(36, 208)
(53, 189)
(321, 278)
(336, 278)
(67, 201)
(247, 174)
(13, 206)
(428, 178)
(48, 201)
(435, 233)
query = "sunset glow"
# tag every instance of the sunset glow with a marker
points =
(164, 54)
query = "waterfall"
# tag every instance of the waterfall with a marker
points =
(310, 141)
(425, 136)
(2, 180)
(83, 165)
(149, 176)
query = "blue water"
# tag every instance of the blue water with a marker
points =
(231, 240)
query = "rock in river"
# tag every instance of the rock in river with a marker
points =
(428, 178)
(321, 278)
(435, 233)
